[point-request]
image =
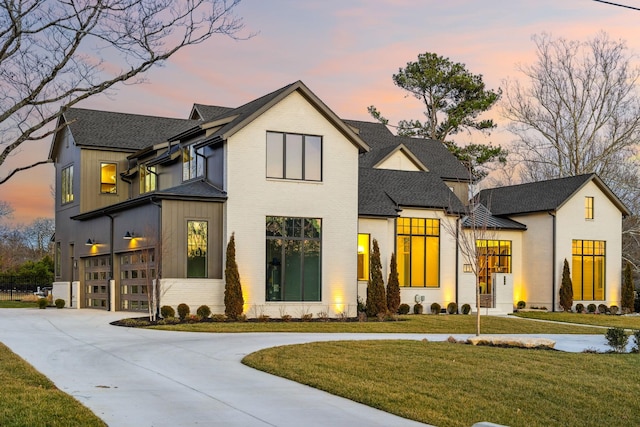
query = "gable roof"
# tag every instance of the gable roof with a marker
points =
(480, 217)
(406, 152)
(542, 196)
(245, 114)
(207, 112)
(384, 192)
(119, 131)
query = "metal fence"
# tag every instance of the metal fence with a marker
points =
(18, 287)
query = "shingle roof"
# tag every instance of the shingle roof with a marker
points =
(382, 191)
(209, 112)
(482, 218)
(122, 131)
(532, 197)
(199, 188)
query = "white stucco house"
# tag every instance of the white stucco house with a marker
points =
(146, 206)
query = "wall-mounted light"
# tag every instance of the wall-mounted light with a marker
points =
(90, 242)
(128, 235)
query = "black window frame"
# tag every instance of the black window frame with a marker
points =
(303, 159)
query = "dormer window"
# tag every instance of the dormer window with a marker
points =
(294, 156)
(108, 178)
(192, 163)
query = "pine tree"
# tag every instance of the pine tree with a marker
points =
(376, 299)
(566, 288)
(233, 300)
(393, 287)
(627, 290)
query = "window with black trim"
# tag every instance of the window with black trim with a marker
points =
(588, 272)
(66, 185)
(588, 207)
(148, 179)
(108, 178)
(192, 162)
(418, 246)
(197, 247)
(294, 156)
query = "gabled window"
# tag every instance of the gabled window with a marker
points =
(66, 185)
(108, 178)
(588, 208)
(148, 179)
(192, 163)
(294, 156)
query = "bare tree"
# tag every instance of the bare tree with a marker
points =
(38, 236)
(54, 54)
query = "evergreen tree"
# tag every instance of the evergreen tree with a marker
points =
(233, 300)
(393, 287)
(627, 290)
(376, 299)
(566, 288)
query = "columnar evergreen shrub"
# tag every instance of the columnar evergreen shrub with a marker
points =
(233, 299)
(435, 308)
(166, 311)
(627, 290)
(393, 287)
(566, 288)
(183, 311)
(203, 311)
(376, 299)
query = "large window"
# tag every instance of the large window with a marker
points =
(588, 208)
(588, 271)
(147, 179)
(192, 163)
(363, 256)
(66, 184)
(197, 239)
(494, 256)
(107, 177)
(418, 247)
(293, 266)
(294, 156)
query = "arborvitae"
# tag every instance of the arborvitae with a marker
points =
(566, 288)
(376, 299)
(233, 300)
(393, 287)
(627, 290)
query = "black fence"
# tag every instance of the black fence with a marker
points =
(17, 287)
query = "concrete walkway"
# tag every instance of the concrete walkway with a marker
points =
(136, 377)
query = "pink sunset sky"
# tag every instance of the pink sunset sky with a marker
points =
(345, 51)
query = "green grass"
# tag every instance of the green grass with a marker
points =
(458, 385)
(18, 304)
(604, 320)
(440, 324)
(28, 398)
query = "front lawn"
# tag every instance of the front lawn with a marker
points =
(449, 384)
(28, 398)
(432, 324)
(604, 320)
(18, 304)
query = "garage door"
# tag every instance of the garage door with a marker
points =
(137, 271)
(96, 281)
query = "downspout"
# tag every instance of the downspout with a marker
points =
(457, 256)
(111, 258)
(158, 257)
(553, 264)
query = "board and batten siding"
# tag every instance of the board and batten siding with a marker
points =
(89, 194)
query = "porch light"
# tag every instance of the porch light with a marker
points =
(90, 242)
(128, 236)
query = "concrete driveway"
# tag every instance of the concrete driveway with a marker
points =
(136, 377)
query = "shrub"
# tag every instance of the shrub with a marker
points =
(603, 309)
(521, 305)
(286, 318)
(263, 318)
(613, 309)
(376, 298)
(393, 287)
(233, 299)
(466, 309)
(404, 309)
(59, 303)
(167, 311)
(219, 317)
(417, 309)
(579, 308)
(452, 308)
(636, 338)
(591, 308)
(617, 339)
(183, 311)
(566, 288)
(306, 317)
(362, 306)
(203, 311)
(627, 289)
(435, 308)
(42, 303)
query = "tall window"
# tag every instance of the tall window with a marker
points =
(588, 208)
(293, 266)
(192, 163)
(418, 247)
(588, 270)
(197, 247)
(294, 156)
(147, 179)
(66, 184)
(363, 256)
(494, 256)
(107, 177)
